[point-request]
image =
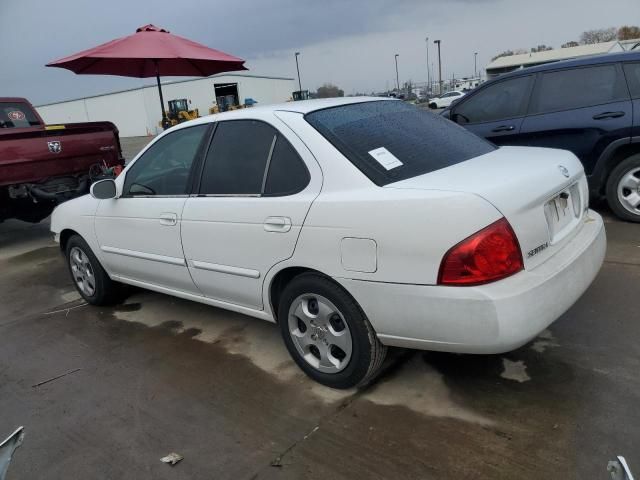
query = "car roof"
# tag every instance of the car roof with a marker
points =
(13, 100)
(575, 62)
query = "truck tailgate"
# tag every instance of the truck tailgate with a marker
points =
(59, 150)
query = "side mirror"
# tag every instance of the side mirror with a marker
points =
(104, 189)
(446, 113)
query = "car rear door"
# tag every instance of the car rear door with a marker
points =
(632, 73)
(496, 111)
(579, 109)
(139, 232)
(256, 187)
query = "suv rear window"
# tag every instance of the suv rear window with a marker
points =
(391, 141)
(578, 88)
(16, 115)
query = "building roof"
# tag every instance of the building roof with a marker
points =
(633, 43)
(534, 58)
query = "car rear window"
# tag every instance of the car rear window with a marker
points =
(16, 115)
(391, 141)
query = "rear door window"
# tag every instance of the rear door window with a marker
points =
(578, 88)
(632, 72)
(237, 158)
(17, 115)
(390, 141)
(500, 101)
(287, 172)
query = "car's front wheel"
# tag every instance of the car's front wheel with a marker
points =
(623, 189)
(90, 279)
(327, 333)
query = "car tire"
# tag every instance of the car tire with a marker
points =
(623, 189)
(433, 105)
(91, 281)
(320, 322)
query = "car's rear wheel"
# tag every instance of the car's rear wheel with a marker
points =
(89, 278)
(623, 189)
(327, 333)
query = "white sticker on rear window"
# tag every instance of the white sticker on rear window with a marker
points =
(385, 158)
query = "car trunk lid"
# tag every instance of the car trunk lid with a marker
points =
(542, 193)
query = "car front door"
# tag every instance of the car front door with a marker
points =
(496, 111)
(256, 187)
(139, 232)
(581, 109)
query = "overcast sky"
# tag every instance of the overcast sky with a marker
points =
(350, 43)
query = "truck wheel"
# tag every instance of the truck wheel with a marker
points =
(327, 333)
(623, 189)
(89, 278)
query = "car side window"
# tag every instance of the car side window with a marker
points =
(165, 167)
(500, 101)
(237, 158)
(632, 72)
(578, 88)
(250, 157)
(287, 172)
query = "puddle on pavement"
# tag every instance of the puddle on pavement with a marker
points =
(421, 388)
(419, 384)
(254, 339)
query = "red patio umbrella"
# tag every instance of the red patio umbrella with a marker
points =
(151, 52)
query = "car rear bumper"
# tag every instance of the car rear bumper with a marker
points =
(492, 318)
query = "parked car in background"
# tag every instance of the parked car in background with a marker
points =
(354, 223)
(589, 106)
(43, 165)
(445, 100)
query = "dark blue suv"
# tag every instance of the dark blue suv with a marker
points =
(590, 106)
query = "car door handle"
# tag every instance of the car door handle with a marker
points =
(604, 115)
(504, 128)
(277, 224)
(168, 219)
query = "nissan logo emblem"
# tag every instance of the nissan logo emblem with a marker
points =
(563, 170)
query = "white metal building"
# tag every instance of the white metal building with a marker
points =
(136, 112)
(513, 62)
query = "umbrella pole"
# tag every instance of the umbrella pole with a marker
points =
(165, 120)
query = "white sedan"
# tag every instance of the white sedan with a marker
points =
(354, 224)
(445, 100)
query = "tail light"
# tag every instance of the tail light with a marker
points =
(491, 254)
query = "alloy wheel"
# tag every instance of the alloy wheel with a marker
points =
(82, 271)
(320, 333)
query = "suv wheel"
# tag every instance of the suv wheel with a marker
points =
(327, 333)
(623, 189)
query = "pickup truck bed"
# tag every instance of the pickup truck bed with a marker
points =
(43, 165)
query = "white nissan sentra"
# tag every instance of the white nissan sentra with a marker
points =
(355, 224)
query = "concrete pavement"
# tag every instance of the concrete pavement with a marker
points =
(157, 375)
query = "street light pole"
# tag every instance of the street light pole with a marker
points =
(439, 68)
(428, 73)
(397, 77)
(298, 69)
(475, 65)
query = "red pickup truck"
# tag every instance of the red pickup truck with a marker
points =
(43, 165)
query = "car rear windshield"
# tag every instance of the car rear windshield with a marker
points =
(391, 141)
(16, 115)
